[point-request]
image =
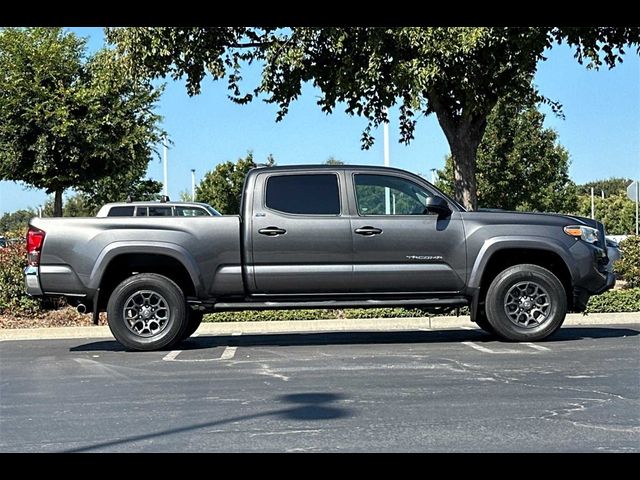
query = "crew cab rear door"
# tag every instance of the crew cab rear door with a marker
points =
(300, 233)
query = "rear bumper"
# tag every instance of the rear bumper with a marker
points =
(32, 281)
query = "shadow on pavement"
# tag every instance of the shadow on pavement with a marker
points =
(307, 407)
(355, 338)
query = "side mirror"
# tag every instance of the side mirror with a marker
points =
(439, 206)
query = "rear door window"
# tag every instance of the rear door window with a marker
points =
(141, 211)
(304, 194)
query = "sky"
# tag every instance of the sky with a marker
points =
(601, 130)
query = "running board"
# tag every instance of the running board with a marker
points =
(284, 305)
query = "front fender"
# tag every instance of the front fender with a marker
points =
(173, 250)
(495, 244)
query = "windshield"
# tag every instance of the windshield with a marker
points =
(212, 210)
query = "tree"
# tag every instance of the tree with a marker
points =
(628, 267)
(15, 221)
(520, 164)
(458, 73)
(109, 189)
(68, 119)
(333, 161)
(222, 187)
(609, 186)
(616, 212)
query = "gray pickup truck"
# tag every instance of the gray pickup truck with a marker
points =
(322, 237)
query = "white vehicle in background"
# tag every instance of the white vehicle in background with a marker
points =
(157, 209)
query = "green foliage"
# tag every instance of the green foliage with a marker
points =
(333, 161)
(616, 212)
(385, 313)
(279, 315)
(628, 266)
(68, 119)
(610, 186)
(520, 165)
(17, 220)
(13, 298)
(615, 301)
(458, 73)
(270, 315)
(185, 196)
(222, 187)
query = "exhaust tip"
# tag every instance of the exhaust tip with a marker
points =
(81, 308)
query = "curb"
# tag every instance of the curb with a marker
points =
(331, 325)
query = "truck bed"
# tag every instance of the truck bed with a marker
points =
(77, 251)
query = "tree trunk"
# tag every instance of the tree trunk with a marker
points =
(464, 132)
(464, 151)
(57, 204)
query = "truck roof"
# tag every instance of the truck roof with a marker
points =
(324, 166)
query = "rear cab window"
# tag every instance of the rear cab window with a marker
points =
(303, 194)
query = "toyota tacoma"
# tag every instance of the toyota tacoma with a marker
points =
(322, 237)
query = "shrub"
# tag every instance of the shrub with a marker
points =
(628, 267)
(270, 315)
(13, 298)
(615, 301)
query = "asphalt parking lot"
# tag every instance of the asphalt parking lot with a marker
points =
(453, 389)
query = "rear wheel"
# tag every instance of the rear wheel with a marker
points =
(525, 303)
(147, 312)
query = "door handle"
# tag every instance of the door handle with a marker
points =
(272, 231)
(368, 231)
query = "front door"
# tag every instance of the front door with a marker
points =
(301, 234)
(399, 246)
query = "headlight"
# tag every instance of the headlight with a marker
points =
(588, 234)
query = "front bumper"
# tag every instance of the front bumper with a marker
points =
(611, 281)
(595, 283)
(32, 281)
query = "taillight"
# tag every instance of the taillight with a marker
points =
(35, 238)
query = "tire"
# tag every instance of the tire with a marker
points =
(482, 322)
(525, 303)
(194, 319)
(147, 312)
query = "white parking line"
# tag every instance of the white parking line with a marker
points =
(480, 348)
(536, 347)
(230, 352)
(171, 356)
(227, 354)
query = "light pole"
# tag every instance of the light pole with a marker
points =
(193, 184)
(165, 167)
(387, 192)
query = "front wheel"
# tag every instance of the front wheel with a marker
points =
(147, 311)
(194, 319)
(526, 303)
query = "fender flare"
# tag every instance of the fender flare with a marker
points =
(172, 250)
(497, 244)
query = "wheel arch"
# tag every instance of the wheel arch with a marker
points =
(117, 262)
(498, 254)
